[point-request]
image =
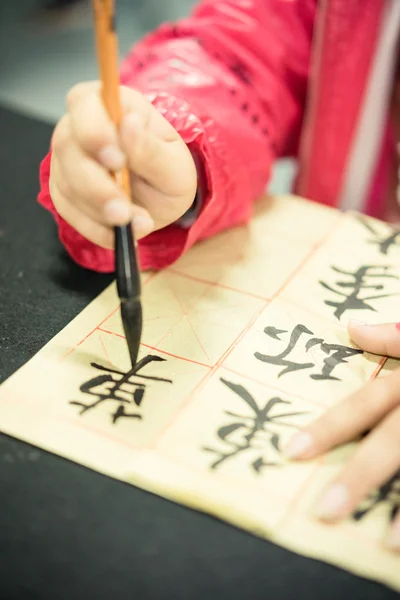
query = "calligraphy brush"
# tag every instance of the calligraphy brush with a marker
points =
(126, 262)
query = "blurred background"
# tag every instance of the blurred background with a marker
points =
(46, 46)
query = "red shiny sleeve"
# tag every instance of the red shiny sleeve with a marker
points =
(232, 80)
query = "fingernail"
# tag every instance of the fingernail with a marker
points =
(397, 325)
(393, 539)
(298, 445)
(143, 225)
(112, 158)
(333, 503)
(118, 212)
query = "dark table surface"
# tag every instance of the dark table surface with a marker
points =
(67, 532)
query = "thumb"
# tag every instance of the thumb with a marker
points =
(379, 339)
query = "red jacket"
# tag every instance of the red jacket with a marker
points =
(234, 80)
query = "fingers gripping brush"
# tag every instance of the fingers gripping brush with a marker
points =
(126, 262)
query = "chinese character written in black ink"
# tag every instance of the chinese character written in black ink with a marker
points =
(389, 493)
(258, 431)
(335, 353)
(384, 242)
(360, 281)
(122, 389)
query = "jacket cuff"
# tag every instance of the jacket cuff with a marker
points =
(191, 215)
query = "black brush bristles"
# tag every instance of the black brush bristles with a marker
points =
(129, 288)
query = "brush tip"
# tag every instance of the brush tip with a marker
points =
(132, 321)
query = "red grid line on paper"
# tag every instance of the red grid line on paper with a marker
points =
(312, 250)
(167, 333)
(219, 363)
(150, 277)
(185, 315)
(105, 349)
(211, 284)
(194, 362)
(89, 334)
(246, 329)
(215, 284)
(320, 405)
(213, 369)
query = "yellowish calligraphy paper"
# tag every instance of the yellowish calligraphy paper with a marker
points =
(244, 341)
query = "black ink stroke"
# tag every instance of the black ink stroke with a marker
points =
(359, 281)
(126, 389)
(336, 353)
(255, 431)
(388, 493)
(385, 243)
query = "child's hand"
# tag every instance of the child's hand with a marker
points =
(86, 145)
(375, 407)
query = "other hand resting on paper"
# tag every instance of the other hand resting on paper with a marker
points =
(375, 409)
